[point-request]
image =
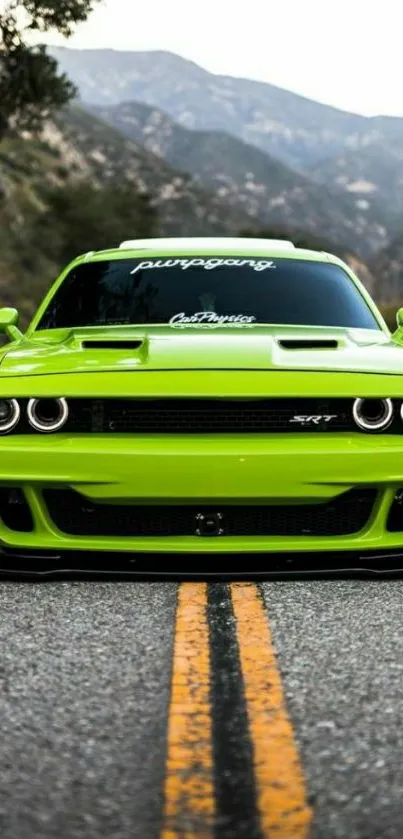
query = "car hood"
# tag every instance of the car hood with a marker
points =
(163, 348)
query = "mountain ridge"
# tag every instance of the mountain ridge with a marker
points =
(77, 149)
(291, 127)
(109, 155)
(268, 190)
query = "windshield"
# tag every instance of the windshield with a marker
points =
(207, 291)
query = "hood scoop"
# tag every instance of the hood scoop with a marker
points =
(111, 344)
(154, 348)
(308, 344)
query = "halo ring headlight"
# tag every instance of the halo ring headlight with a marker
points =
(47, 415)
(9, 422)
(373, 414)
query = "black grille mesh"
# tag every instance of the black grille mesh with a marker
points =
(166, 416)
(346, 514)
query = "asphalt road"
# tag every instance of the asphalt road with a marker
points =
(86, 672)
(340, 646)
(84, 688)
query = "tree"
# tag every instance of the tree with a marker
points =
(31, 86)
(81, 217)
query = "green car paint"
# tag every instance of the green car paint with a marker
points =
(207, 470)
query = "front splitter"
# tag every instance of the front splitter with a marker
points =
(248, 566)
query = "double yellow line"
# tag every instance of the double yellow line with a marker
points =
(189, 793)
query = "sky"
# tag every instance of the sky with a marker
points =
(346, 53)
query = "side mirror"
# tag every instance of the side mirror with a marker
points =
(9, 324)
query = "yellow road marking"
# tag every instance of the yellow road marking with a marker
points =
(281, 796)
(189, 789)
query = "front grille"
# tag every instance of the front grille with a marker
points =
(195, 416)
(346, 514)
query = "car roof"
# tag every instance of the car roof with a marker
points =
(209, 245)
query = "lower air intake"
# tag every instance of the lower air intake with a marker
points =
(395, 518)
(14, 510)
(346, 514)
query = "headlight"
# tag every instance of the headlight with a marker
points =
(373, 414)
(47, 415)
(10, 413)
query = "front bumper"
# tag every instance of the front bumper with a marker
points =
(205, 470)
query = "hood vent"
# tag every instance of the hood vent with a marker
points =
(308, 344)
(100, 344)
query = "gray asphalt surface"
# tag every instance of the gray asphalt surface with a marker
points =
(340, 646)
(84, 688)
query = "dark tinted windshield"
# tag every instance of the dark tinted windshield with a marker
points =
(208, 290)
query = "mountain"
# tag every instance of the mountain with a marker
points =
(100, 151)
(224, 161)
(76, 148)
(372, 173)
(387, 269)
(79, 150)
(252, 181)
(295, 129)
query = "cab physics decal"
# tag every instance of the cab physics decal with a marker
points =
(210, 320)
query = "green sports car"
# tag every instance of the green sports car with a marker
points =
(202, 396)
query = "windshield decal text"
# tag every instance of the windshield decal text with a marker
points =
(210, 320)
(208, 264)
